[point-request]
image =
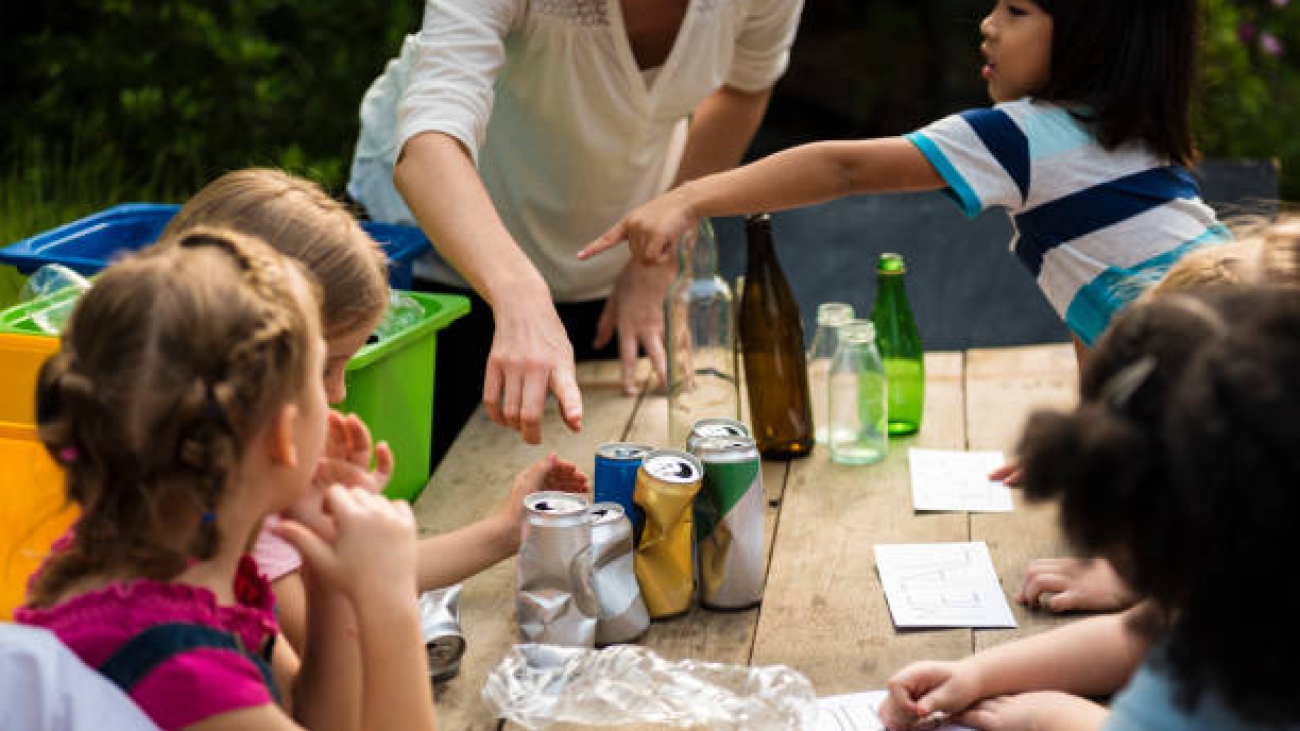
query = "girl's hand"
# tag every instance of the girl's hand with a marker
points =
(551, 472)
(347, 456)
(1075, 584)
(652, 230)
(1009, 474)
(1038, 711)
(372, 552)
(924, 688)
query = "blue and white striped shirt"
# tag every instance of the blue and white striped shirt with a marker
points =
(1095, 227)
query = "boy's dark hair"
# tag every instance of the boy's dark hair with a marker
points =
(1130, 66)
(1182, 465)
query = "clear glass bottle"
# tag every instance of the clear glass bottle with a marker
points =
(859, 397)
(771, 338)
(701, 338)
(830, 315)
(900, 346)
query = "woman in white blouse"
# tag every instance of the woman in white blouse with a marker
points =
(518, 130)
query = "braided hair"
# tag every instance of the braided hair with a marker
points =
(168, 366)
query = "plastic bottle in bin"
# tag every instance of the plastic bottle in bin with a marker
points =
(900, 346)
(771, 337)
(701, 340)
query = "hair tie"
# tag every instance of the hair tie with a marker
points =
(212, 409)
(209, 517)
(1120, 389)
(69, 454)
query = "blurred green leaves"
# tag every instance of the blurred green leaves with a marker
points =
(174, 92)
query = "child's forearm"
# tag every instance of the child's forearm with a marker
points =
(813, 173)
(452, 557)
(328, 688)
(1091, 657)
(395, 670)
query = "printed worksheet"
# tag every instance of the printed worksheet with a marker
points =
(932, 585)
(857, 712)
(944, 479)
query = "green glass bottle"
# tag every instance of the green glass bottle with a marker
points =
(900, 347)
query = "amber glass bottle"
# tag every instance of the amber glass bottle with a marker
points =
(771, 341)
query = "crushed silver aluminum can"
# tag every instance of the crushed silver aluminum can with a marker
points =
(554, 599)
(440, 626)
(622, 616)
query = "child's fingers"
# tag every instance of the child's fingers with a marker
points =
(336, 444)
(332, 470)
(384, 465)
(315, 552)
(358, 441)
(606, 241)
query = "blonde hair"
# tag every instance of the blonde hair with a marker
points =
(1262, 252)
(299, 220)
(168, 366)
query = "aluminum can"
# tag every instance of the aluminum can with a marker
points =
(665, 564)
(440, 626)
(616, 467)
(715, 428)
(621, 614)
(729, 524)
(554, 601)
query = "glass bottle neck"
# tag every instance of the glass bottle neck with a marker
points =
(697, 257)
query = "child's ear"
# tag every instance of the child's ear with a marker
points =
(282, 436)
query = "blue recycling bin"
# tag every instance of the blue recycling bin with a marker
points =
(90, 244)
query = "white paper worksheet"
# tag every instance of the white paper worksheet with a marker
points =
(931, 585)
(943, 479)
(857, 712)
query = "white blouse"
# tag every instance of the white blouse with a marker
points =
(567, 133)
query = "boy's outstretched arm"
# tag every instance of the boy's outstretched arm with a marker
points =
(800, 176)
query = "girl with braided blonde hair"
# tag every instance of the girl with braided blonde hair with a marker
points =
(298, 219)
(185, 406)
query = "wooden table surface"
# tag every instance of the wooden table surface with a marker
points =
(824, 613)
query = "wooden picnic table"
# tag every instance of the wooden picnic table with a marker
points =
(824, 612)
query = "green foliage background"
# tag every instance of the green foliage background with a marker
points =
(112, 100)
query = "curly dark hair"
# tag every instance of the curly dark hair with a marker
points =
(1181, 464)
(168, 366)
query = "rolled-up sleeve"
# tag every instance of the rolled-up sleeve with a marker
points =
(763, 45)
(458, 52)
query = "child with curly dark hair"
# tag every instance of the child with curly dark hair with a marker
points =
(1177, 467)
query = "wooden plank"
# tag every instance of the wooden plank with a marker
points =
(825, 612)
(726, 637)
(1003, 386)
(469, 484)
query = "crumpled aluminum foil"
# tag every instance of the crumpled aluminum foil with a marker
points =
(538, 685)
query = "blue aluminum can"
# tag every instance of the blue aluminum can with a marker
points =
(616, 467)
